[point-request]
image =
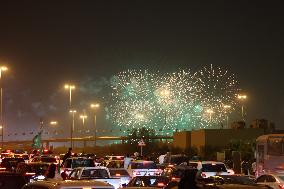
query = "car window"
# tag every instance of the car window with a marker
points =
(75, 174)
(193, 165)
(270, 178)
(95, 173)
(281, 177)
(210, 167)
(143, 165)
(82, 163)
(261, 178)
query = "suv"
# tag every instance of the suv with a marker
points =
(74, 162)
(209, 168)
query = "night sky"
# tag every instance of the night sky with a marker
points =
(46, 44)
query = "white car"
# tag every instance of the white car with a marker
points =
(143, 168)
(68, 185)
(98, 173)
(209, 168)
(275, 181)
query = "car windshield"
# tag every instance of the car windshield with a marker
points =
(210, 167)
(118, 172)
(281, 177)
(94, 173)
(38, 168)
(143, 165)
(48, 159)
(82, 163)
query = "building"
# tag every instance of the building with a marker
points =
(206, 140)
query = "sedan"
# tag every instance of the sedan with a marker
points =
(275, 181)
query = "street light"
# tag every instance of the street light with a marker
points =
(83, 117)
(70, 88)
(95, 107)
(242, 98)
(72, 126)
(2, 69)
(53, 123)
(227, 107)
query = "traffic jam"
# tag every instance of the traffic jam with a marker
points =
(22, 170)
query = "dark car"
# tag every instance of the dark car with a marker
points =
(229, 181)
(9, 180)
(148, 181)
(10, 163)
(32, 171)
(175, 173)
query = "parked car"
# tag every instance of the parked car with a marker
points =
(275, 181)
(120, 173)
(33, 171)
(98, 173)
(9, 180)
(175, 173)
(209, 168)
(10, 163)
(74, 162)
(88, 184)
(148, 181)
(143, 168)
(45, 159)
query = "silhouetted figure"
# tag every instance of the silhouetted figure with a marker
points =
(51, 171)
(188, 180)
(67, 155)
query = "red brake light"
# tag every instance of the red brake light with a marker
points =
(160, 184)
(174, 178)
(203, 175)
(29, 173)
(117, 174)
(281, 186)
(2, 168)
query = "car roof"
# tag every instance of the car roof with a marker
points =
(96, 167)
(207, 162)
(68, 183)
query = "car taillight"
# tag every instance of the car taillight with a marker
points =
(160, 184)
(117, 174)
(136, 173)
(29, 174)
(203, 175)
(2, 168)
(281, 186)
(174, 178)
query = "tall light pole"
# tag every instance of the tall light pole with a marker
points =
(72, 126)
(227, 107)
(242, 98)
(95, 107)
(83, 117)
(2, 69)
(70, 87)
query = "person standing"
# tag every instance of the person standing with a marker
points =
(67, 155)
(127, 161)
